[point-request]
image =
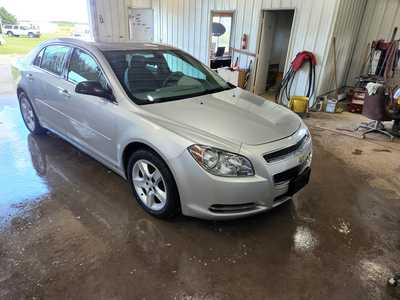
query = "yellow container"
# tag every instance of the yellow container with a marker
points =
(299, 104)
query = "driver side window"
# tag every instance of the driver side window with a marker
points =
(83, 67)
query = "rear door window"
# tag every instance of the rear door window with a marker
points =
(54, 59)
(83, 67)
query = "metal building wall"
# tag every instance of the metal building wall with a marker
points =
(346, 30)
(141, 3)
(186, 24)
(380, 19)
(109, 20)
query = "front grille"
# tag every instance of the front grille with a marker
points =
(284, 152)
(287, 175)
(233, 208)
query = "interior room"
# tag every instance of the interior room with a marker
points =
(220, 39)
(273, 50)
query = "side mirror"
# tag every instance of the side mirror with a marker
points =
(94, 88)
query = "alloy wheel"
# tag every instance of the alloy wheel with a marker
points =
(28, 114)
(149, 185)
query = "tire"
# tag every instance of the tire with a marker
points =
(29, 116)
(10, 34)
(163, 192)
(31, 35)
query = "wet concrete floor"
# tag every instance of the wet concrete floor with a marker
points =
(69, 229)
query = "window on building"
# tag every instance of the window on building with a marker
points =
(221, 33)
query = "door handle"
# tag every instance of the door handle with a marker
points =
(29, 76)
(65, 93)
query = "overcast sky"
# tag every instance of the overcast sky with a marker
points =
(48, 10)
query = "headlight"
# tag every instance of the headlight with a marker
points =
(221, 163)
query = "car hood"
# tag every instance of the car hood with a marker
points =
(234, 115)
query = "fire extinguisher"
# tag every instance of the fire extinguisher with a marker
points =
(245, 41)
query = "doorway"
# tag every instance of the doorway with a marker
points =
(221, 39)
(274, 41)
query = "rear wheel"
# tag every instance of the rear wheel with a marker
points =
(9, 33)
(153, 185)
(31, 35)
(28, 115)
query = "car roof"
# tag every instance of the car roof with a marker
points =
(113, 46)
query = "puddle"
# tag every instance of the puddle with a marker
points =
(19, 180)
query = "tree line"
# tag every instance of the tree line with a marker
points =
(6, 17)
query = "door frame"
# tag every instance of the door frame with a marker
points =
(259, 39)
(233, 28)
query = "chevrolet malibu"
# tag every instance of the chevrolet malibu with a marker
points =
(184, 139)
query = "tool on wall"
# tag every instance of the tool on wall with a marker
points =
(335, 68)
(302, 58)
(236, 66)
(383, 57)
(248, 73)
(367, 58)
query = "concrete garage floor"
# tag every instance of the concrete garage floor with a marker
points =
(69, 228)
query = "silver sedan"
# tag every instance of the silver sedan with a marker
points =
(184, 139)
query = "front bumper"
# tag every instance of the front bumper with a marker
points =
(206, 196)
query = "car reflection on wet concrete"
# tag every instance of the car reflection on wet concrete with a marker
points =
(22, 180)
(70, 229)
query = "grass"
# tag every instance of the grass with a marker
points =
(22, 45)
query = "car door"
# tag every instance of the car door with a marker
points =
(51, 96)
(32, 76)
(91, 120)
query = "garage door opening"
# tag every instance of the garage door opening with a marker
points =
(274, 40)
(220, 39)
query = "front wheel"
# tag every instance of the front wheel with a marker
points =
(29, 116)
(153, 185)
(31, 35)
(10, 34)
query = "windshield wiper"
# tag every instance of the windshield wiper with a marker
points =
(217, 90)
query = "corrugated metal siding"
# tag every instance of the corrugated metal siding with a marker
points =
(347, 26)
(380, 19)
(189, 30)
(140, 3)
(109, 20)
(186, 23)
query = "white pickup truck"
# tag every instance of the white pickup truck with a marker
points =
(21, 30)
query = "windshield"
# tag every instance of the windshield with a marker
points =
(153, 76)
